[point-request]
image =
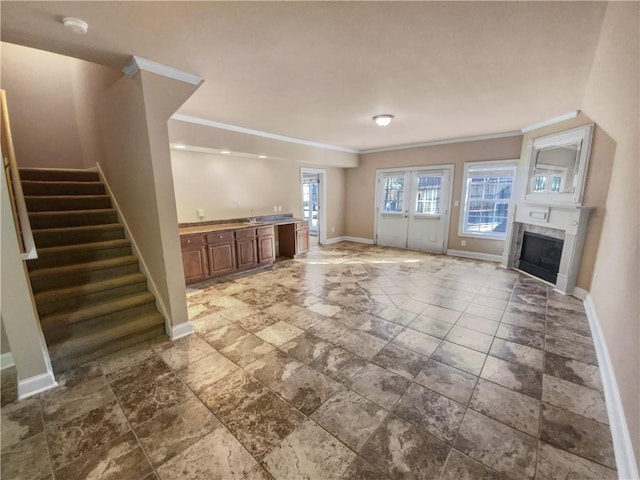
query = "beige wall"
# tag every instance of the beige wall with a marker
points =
(596, 187)
(612, 100)
(137, 165)
(52, 100)
(360, 183)
(230, 186)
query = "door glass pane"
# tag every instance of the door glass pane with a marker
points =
(393, 194)
(428, 194)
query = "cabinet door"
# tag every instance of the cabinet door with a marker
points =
(194, 263)
(246, 252)
(265, 249)
(221, 259)
(302, 241)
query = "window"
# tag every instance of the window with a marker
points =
(393, 194)
(485, 197)
(428, 194)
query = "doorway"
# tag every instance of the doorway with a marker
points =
(313, 206)
(413, 208)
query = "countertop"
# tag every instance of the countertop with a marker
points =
(217, 227)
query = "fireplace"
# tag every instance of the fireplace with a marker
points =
(563, 225)
(540, 256)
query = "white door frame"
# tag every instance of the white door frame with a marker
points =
(322, 218)
(380, 171)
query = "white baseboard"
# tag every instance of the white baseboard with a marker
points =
(475, 255)
(6, 360)
(622, 446)
(37, 384)
(580, 293)
(367, 241)
(179, 331)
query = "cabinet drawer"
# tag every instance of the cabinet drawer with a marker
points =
(191, 241)
(224, 236)
(245, 233)
(302, 225)
(264, 230)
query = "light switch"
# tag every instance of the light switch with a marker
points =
(200, 213)
(279, 208)
(275, 208)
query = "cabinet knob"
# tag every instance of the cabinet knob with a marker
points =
(188, 241)
(219, 236)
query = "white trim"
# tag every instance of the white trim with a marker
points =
(475, 138)
(580, 293)
(322, 220)
(475, 255)
(366, 241)
(36, 384)
(138, 63)
(551, 121)
(6, 361)
(179, 331)
(347, 238)
(258, 133)
(622, 446)
(136, 251)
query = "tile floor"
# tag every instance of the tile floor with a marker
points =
(358, 362)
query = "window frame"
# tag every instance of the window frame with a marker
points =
(462, 225)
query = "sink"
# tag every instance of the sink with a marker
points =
(255, 223)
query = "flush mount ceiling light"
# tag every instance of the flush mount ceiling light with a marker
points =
(75, 25)
(225, 152)
(180, 146)
(262, 156)
(383, 120)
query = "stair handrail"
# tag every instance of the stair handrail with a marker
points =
(18, 206)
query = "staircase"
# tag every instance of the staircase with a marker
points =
(91, 297)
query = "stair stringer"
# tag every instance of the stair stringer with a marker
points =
(179, 331)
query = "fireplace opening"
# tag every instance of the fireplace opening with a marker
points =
(540, 256)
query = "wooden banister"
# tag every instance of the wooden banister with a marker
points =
(18, 205)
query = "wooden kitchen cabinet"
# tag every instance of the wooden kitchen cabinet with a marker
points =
(221, 253)
(246, 249)
(194, 258)
(294, 239)
(266, 245)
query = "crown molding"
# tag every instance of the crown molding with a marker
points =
(490, 136)
(551, 121)
(258, 133)
(138, 63)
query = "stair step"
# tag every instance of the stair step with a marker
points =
(79, 253)
(51, 237)
(72, 218)
(77, 296)
(76, 274)
(48, 203)
(104, 311)
(52, 174)
(79, 349)
(36, 188)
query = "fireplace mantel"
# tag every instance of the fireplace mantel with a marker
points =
(570, 219)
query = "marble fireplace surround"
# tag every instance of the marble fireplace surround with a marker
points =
(567, 222)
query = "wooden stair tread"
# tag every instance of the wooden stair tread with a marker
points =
(54, 213)
(108, 333)
(81, 228)
(90, 312)
(88, 288)
(68, 249)
(97, 265)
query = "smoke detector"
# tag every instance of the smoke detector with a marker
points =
(75, 25)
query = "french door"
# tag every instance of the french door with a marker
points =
(412, 208)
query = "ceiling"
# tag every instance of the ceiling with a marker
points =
(320, 71)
